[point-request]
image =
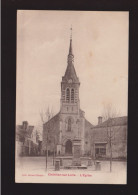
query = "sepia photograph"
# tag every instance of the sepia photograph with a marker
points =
(71, 97)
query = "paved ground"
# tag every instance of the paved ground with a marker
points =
(38, 165)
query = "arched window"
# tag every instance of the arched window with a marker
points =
(67, 94)
(69, 124)
(72, 95)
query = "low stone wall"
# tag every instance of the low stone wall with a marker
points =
(67, 161)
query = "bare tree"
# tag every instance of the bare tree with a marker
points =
(45, 116)
(109, 115)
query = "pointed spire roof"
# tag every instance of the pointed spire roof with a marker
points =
(70, 47)
(70, 71)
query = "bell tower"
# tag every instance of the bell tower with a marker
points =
(70, 103)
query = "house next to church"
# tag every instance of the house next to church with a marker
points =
(112, 131)
(27, 140)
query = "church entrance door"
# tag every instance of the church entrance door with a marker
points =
(68, 147)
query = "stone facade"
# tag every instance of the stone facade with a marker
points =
(114, 132)
(70, 123)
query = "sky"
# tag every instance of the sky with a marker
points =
(100, 47)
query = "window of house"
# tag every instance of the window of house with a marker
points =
(100, 150)
(103, 151)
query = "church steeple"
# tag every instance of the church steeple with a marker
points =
(70, 71)
(70, 86)
(70, 55)
(70, 48)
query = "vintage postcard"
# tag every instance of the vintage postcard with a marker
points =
(71, 97)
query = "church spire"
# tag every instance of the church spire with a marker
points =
(70, 73)
(70, 55)
(70, 48)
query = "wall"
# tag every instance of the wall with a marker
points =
(53, 126)
(87, 138)
(119, 140)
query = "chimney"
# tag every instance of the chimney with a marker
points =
(100, 120)
(25, 125)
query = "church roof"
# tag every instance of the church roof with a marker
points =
(71, 74)
(53, 119)
(88, 123)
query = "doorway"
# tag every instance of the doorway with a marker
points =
(68, 147)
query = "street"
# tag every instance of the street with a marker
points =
(37, 165)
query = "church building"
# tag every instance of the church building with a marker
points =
(70, 123)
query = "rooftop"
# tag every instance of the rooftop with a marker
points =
(118, 121)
